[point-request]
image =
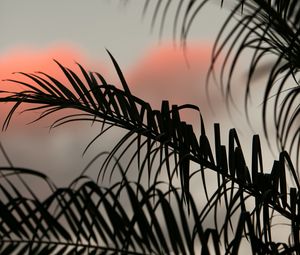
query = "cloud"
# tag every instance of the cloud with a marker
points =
(27, 59)
(31, 60)
(167, 73)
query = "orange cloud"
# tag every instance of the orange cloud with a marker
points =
(162, 73)
(30, 60)
(166, 73)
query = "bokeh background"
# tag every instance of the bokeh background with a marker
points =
(35, 32)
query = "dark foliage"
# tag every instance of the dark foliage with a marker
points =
(86, 218)
(176, 141)
(268, 30)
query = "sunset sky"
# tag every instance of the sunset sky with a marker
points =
(34, 32)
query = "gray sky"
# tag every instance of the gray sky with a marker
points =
(93, 26)
(90, 27)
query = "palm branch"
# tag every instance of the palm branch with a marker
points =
(90, 219)
(164, 137)
(269, 29)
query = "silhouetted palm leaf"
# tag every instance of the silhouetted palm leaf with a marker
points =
(86, 218)
(270, 28)
(176, 140)
(92, 220)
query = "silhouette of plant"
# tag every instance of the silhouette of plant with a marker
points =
(86, 218)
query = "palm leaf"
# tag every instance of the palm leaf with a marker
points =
(267, 28)
(87, 218)
(90, 219)
(176, 139)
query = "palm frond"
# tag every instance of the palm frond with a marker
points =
(102, 102)
(86, 218)
(90, 219)
(176, 140)
(268, 28)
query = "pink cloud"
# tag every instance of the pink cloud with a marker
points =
(166, 73)
(162, 73)
(31, 60)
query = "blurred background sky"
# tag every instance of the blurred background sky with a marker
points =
(33, 32)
